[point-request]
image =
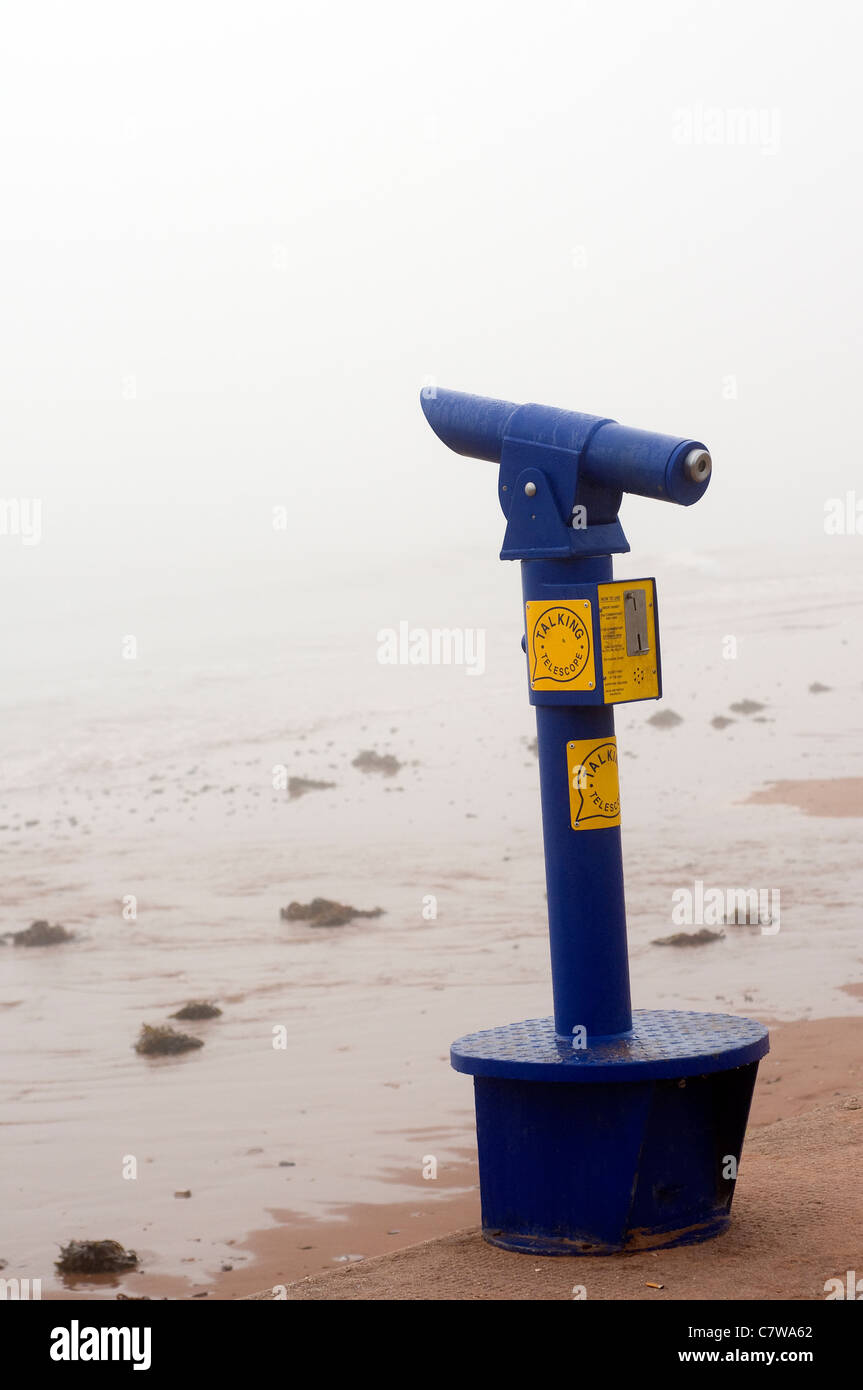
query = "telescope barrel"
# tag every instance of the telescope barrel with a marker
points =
(661, 466)
(471, 425)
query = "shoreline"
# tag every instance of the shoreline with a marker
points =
(812, 1064)
(792, 1237)
(164, 797)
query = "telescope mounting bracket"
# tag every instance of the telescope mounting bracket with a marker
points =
(552, 514)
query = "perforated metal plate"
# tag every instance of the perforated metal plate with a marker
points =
(663, 1043)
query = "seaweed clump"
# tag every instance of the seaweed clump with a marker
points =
(197, 1009)
(321, 912)
(370, 761)
(164, 1041)
(95, 1257)
(688, 938)
(666, 719)
(42, 933)
(298, 786)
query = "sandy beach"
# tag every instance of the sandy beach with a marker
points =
(302, 1127)
(796, 1185)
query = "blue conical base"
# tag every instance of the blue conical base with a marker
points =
(632, 1143)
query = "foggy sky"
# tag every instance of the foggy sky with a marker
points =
(239, 238)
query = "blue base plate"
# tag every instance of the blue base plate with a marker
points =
(662, 1043)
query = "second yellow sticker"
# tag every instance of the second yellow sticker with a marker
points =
(594, 789)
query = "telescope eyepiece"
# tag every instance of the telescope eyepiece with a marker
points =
(698, 465)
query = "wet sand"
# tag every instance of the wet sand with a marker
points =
(796, 1177)
(837, 796)
(795, 1227)
(809, 1064)
(162, 788)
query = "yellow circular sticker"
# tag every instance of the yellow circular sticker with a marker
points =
(594, 789)
(560, 645)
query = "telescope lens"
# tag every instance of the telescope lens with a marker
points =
(697, 466)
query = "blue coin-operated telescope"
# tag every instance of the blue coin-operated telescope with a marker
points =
(599, 1129)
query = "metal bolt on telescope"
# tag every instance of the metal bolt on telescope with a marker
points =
(600, 1129)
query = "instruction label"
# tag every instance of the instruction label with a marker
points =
(594, 789)
(560, 645)
(629, 640)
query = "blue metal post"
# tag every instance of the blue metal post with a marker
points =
(584, 873)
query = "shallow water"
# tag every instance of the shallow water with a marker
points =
(154, 778)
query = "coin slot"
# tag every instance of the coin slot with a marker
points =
(635, 618)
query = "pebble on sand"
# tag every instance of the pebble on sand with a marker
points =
(42, 934)
(197, 1009)
(95, 1257)
(721, 721)
(164, 1041)
(688, 938)
(321, 912)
